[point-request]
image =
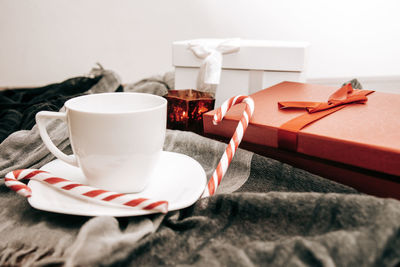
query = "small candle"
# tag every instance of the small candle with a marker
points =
(186, 108)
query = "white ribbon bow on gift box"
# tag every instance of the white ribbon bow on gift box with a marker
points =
(210, 68)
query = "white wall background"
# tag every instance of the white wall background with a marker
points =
(44, 41)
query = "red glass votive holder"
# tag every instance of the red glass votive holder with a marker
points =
(185, 109)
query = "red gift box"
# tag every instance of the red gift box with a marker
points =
(358, 145)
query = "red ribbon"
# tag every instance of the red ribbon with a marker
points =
(343, 97)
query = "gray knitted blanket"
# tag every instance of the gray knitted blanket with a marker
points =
(266, 213)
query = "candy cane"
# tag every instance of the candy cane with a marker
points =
(12, 178)
(234, 142)
(12, 181)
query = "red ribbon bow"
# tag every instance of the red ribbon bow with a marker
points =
(287, 132)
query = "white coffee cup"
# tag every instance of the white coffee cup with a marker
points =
(116, 138)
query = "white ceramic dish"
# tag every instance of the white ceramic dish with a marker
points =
(178, 179)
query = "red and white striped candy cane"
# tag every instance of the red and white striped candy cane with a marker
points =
(12, 181)
(234, 142)
(12, 178)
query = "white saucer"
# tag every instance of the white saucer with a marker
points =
(179, 179)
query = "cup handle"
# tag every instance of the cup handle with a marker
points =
(40, 121)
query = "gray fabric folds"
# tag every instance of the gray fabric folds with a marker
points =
(156, 85)
(277, 215)
(100, 236)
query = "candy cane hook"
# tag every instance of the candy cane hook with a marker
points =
(234, 142)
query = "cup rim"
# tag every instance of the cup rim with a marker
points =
(68, 104)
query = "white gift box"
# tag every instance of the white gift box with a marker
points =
(257, 65)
